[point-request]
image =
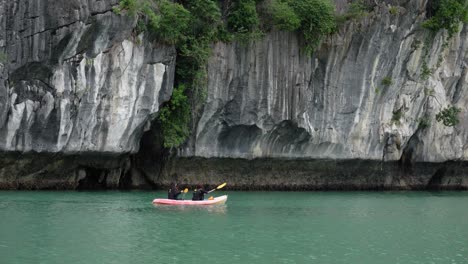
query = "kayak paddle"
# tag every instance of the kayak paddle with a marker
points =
(184, 191)
(217, 188)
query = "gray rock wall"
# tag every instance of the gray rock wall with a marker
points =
(298, 174)
(269, 99)
(76, 78)
(78, 86)
(56, 171)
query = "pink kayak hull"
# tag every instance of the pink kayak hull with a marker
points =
(217, 200)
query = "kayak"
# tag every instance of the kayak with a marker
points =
(216, 200)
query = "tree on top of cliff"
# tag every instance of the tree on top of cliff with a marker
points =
(448, 14)
(168, 21)
(314, 19)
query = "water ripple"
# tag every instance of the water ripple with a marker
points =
(256, 227)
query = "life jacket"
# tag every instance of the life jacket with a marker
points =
(172, 194)
(198, 195)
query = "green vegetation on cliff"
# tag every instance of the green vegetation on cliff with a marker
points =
(313, 19)
(357, 10)
(387, 81)
(3, 57)
(175, 117)
(447, 14)
(243, 17)
(193, 25)
(424, 122)
(449, 116)
(284, 17)
(316, 19)
(182, 21)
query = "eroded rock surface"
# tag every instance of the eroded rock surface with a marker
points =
(76, 78)
(269, 99)
(79, 89)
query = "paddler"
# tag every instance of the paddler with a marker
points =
(199, 193)
(173, 192)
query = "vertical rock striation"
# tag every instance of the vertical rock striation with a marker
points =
(78, 88)
(77, 79)
(270, 100)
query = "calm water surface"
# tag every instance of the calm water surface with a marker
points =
(253, 227)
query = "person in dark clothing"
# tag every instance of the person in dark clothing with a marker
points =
(173, 192)
(199, 194)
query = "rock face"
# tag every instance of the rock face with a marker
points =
(307, 174)
(58, 171)
(75, 79)
(79, 89)
(361, 96)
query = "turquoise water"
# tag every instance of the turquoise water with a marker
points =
(253, 227)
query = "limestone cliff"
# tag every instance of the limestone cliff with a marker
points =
(75, 79)
(358, 114)
(269, 99)
(79, 90)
